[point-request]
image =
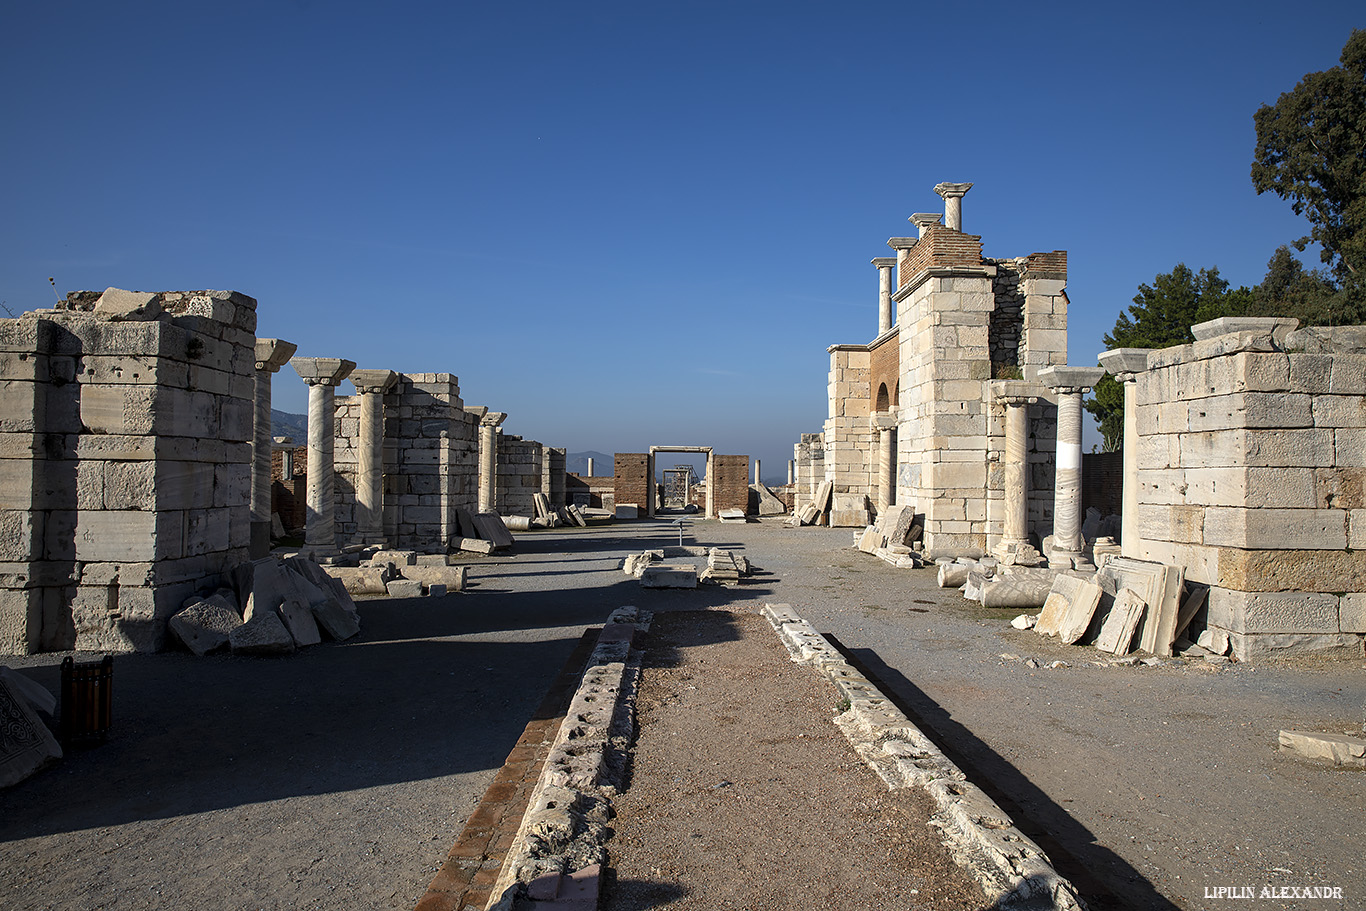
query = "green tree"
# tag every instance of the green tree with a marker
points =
(1310, 296)
(1310, 151)
(1161, 316)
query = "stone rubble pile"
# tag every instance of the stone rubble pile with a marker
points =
(815, 512)
(895, 537)
(272, 606)
(764, 503)
(724, 567)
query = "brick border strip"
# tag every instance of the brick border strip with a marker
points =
(1014, 872)
(556, 855)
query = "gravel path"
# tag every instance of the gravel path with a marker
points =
(744, 795)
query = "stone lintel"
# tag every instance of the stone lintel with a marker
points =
(1067, 378)
(273, 353)
(883, 420)
(901, 243)
(833, 348)
(322, 371)
(923, 220)
(885, 262)
(1016, 392)
(1277, 326)
(924, 275)
(1124, 363)
(367, 381)
(493, 419)
(949, 190)
(884, 337)
(477, 410)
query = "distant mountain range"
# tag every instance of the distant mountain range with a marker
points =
(294, 426)
(577, 462)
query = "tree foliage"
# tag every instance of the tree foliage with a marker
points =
(1161, 316)
(1310, 151)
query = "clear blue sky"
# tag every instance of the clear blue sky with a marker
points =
(632, 223)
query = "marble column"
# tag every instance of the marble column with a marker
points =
(886, 314)
(757, 479)
(590, 468)
(1014, 546)
(791, 471)
(271, 355)
(923, 220)
(371, 385)
(883, 425)
(1126, 364)
(322, 374)
(953, 194)
(488, 459)
(1069, 384)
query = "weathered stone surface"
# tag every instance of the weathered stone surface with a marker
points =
(1159, 586)
(298, 619)
(1064, 592)
(669, 575)
(451, 577)
(205, 625)
(26, 745)
(768, 504)
(117, 304)
(1117, 632)
(38, 696)
(396, 557)
(263, 634)
(1004, 591)
(1338, 749)
(474, 546)
(1024, 621)
(1274, 612)
(627, 511)
(405, 588)
(491, 528)
(953, 575)
(335, 620)
(726, 515)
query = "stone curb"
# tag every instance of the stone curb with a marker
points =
(1014, 872)
(560, 840)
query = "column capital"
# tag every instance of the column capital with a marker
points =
(373, 381)
(884, 262)
(273, 353)
(882, 421)
(901, 243)
(493, 419)
(1124, 363)
(952, 190)
(477, 410)
(1015, 392)
(322, 371)
(923, 220)
(1068, 379)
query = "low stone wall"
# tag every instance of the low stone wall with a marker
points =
(519, 475)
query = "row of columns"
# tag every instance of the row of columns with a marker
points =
(323, 375)
(1068, 384)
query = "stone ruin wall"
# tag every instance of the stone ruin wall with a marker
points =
(731, 490)
(850, 443)
(289, 489)
(554, 480)
(1252, 476)
(126, 421)
(809, 458)
(430, 460)
(519, 475)
(631, 480)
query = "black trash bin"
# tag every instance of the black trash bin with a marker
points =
(87, 701)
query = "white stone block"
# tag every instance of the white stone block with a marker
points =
(1276, 529)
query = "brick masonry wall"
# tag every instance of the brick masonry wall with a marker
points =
(289, 495)
(632, 478)
(732, 482)
(940, 248)
(884, 370)
(599, 490)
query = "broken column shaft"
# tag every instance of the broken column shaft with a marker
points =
(1069, 384)
(488, 458)
(1126, 364)
(371, 385)
(322, 374)
(271, 355)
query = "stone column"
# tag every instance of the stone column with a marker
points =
(884, 429)
(711, 485)
(923, 220)
(322, 374)
(590, 468)
(1126, 364)
(756, 472)
(371, 385)
(1014, 547)
(791, 471)
(1069, 384)
(488, 458)
(886, 315)
(271, 355)
(953, 194)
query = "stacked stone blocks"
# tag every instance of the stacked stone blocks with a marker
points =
(126, 420)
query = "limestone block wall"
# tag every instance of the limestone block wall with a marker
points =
(850, 445)
(961, 323)
(430, 460)
(519, 475)
(1040, 458)
(126, 420)
(809, 456)
(553, 474)
(1252, 476)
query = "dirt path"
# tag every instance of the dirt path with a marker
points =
(744, 795)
